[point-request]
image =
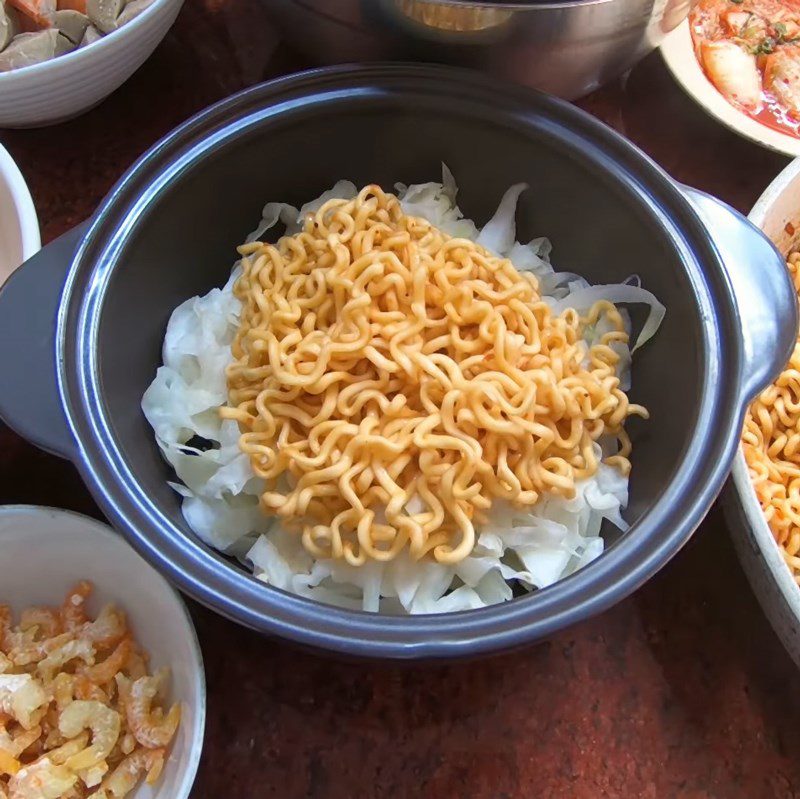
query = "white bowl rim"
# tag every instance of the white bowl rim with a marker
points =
(754, 515)
(678, 54)
(199, 713)
(776, 188)
(23, 202)
(80, 53)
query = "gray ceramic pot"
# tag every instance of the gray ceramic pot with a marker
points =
(81, 324)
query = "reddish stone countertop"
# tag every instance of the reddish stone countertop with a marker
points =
(680, 691)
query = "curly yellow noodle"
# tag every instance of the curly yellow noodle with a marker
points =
(391, 383)
(771, 444)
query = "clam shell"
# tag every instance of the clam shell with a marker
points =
(90, 36)
(132, 10)
(27, 49)
(9, 25)
(64, 45)
(71, 24)
(103, 13)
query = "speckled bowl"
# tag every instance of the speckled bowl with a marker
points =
(772, 582)
(67, 86)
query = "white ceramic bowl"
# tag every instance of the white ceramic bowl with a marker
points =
(19, 227)
(73, 83)
(772, 582)
(680, 59)
(44, 551)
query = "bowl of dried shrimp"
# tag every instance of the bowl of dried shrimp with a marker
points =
(102, 689)
(761, 497)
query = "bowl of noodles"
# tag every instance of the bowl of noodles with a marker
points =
(374, 359)
(761, 497)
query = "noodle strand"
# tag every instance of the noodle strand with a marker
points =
(391, 382)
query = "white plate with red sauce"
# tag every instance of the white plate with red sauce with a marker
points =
(764, 128)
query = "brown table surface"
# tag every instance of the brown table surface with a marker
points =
(683, 690)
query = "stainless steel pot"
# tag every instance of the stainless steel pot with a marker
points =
(564, 48)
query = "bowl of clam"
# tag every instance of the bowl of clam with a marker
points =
(59, 58)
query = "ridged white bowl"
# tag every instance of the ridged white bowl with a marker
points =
(777, 213)
(66, 86)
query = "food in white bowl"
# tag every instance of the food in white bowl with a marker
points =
(744, 75)
(771, 446)
(86, 706)
(33, 31)
(82, 715)
(750, 51)
(45, 90)
(19, 227)
(762, 475)
(393, 410)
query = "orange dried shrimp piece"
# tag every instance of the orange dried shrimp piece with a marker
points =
(63, 753)
(74, 649)
(41, 780)
(15, 743)
(47, 621)
(5, 625)
(147, 727)
(80, 714)
(8, 763)
(104, 672)
(73, 609)
(125, 776)
(138, 664)
(107, 630)
(86, 689)
(27, 649)
(103, 722)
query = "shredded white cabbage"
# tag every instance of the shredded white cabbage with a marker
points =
(220, 491)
